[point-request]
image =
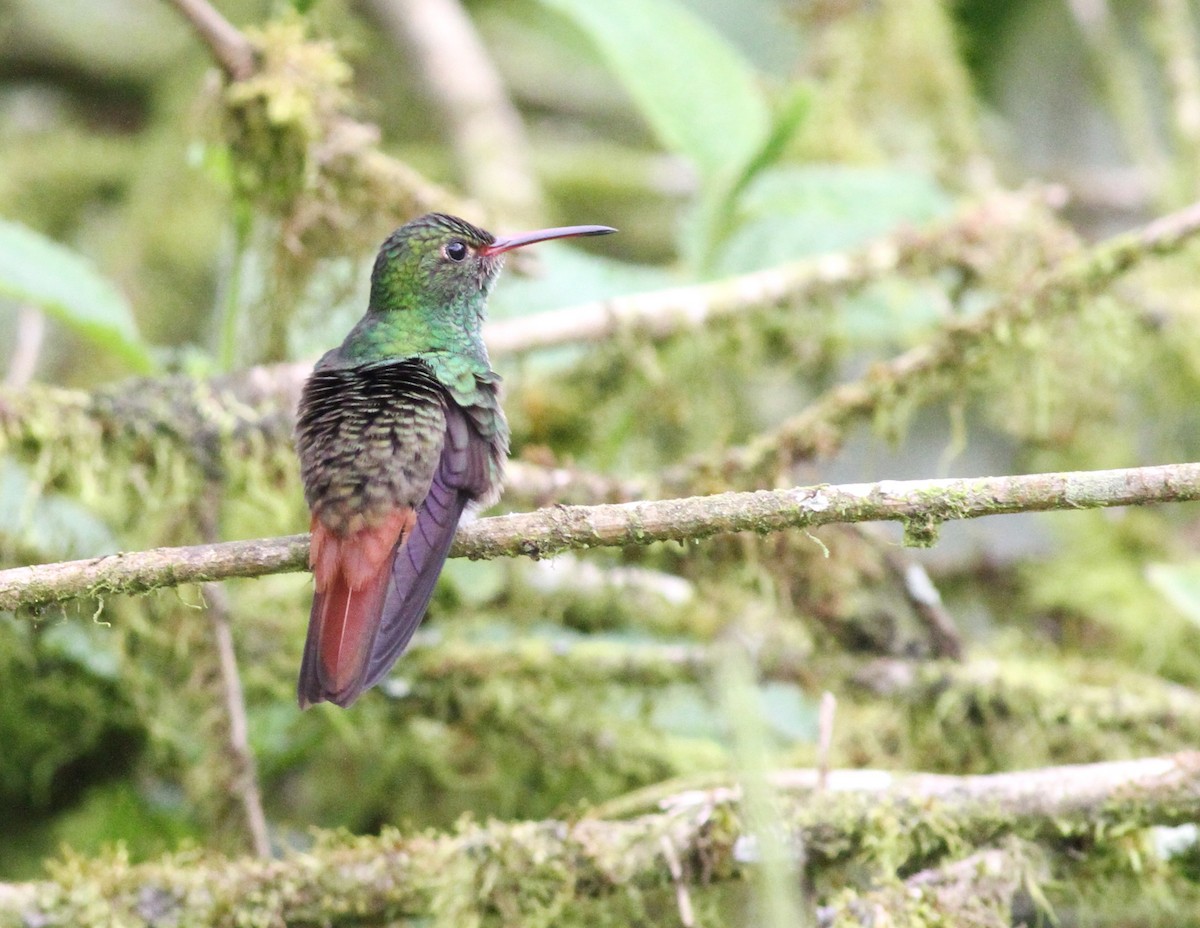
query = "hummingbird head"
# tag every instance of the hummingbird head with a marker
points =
(443, 261)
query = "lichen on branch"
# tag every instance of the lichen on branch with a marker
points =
(546, 532)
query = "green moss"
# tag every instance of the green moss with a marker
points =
(277, 117)
(921, 532)
(64, 725)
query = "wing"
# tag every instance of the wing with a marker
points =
(468, 470)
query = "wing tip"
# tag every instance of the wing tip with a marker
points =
(310, 696)
(314, 685)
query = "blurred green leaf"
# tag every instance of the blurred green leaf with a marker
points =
(789, 712)
(38, 270)
(785, 122)
(87, 645)
(696, 91)
(715, 214)
(682, 710)
(789, 212)
(106, 814)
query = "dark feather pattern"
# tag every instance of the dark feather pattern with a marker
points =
(369, 438)
(384, 448)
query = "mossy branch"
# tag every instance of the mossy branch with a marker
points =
(258, 404)
(922, 505)
(959, 241)
(1014, 712)
(225, 419)
(255, 395)
(962, 346)
(975, 892)
(860, 814)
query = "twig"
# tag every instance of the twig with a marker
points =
(396, 876)
(826, 713)
(683, 899)
(229, 47)
(920, 504)
(926, 600)
(243, 777)
(31, 332)
(485, 129)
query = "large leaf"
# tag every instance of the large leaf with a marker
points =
(695, 90)
(37, 270)
(790, 212)
(713, 217)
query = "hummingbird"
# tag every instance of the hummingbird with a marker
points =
(398, 430)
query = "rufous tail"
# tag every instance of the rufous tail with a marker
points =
(352, 575)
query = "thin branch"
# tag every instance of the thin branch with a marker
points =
(922, 505)
(826, 713)
(242, 780)
(393, 876)
(919, 588)
(663, 313)
(232, 50)
(27, 347)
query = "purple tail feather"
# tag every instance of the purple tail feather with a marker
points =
(462, 475)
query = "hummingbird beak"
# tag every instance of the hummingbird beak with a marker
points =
(509, 242)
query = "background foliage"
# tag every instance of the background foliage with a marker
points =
(157, 222)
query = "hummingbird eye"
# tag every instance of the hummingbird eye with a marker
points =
(456, 250)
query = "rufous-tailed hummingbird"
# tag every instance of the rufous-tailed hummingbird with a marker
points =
(398, 430)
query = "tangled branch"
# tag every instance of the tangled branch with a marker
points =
(959, 347)
(394, 875)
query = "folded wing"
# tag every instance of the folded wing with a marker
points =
(464, 473)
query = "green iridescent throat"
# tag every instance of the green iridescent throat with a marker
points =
(406, 321)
